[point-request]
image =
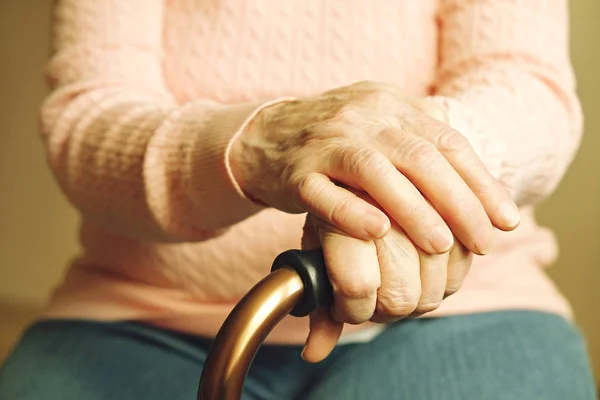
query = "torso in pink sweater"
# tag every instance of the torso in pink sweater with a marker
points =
(148, 94)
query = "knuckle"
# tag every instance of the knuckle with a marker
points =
(391, 137)
(371, 164)
(348, 111)
(451, 141)
(379, 93)
(381, 100)
(363, 84)
(357, 289)
(452, 286)
(399, 305)
(382, 318)
(485, 187)
(428, 306)
(341, 212)
(308, 188)
(374, 90)
(354, 315)
(364, 162)
(421, 152)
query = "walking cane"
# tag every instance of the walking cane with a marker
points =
(297, 285)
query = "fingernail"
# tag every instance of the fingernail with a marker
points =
(484, 240)
(302, 354)
(510, 214)
(376, 226)
(441, 239)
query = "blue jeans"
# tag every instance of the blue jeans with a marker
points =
(512, 355)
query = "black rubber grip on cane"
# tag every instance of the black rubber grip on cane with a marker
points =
(310, 265)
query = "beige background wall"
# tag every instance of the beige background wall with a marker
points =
(37, 227)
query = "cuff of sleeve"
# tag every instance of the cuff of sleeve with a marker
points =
(212, 184)
(486, 141)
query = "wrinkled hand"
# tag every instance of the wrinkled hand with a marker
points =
(380, 281)
(304, 155)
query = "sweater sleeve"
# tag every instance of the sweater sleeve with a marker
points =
(506, 81)
(126, 154)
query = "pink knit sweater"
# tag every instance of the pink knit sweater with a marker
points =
(148, 94)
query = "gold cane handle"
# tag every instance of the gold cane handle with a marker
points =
(297, 285)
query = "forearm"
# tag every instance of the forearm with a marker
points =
(126, 151)
(144, 165)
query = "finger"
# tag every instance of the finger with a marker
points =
(323, 336)
(371, 171)
(341, 208)
(353, 272)
(421, 162)
(400, 288)
(502, 211)
(459, 264)
(433, 281)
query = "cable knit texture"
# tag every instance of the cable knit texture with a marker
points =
(148, 94)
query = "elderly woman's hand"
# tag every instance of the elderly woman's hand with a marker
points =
(300, 156)
(380, 281)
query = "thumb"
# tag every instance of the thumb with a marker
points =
(323, 336)
(324, 330)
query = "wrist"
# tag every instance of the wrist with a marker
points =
(241, 161)
(243, 155)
